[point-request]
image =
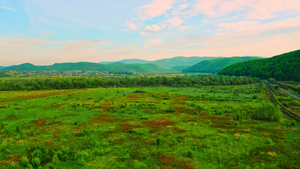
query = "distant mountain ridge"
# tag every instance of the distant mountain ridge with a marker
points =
(168, 62)
(215, 65)
(281, 67)
(134, 68)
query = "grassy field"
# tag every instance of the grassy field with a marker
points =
(159, 127)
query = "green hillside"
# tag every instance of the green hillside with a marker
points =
(215, 65)
(281, 67)
(114, 67)
(180, 61)
(1, 67)
(180, 68)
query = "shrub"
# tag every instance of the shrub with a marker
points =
(36, 161)
(267, 112)
(139, 91)
(55, 158)
(170, 110)
(24, 161)
(81, 157)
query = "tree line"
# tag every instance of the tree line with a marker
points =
(127, 81)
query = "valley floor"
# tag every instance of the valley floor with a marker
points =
(151, 127)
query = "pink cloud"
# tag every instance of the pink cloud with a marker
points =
(154, 27)
(131, 25)
(183, 6)
(265, 9)
(240, 26)
(254, 25)
(153, 42)
(155, 8)
(207, 7)
(175, 21)
(185, 27)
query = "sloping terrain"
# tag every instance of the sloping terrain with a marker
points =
(281, 67)
(215, 65)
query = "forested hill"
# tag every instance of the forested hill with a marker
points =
(133, 68)
(281, 67)
(215, 65)
(167, 63)
(1, 67)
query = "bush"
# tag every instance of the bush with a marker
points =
(81, 157)
(36, 161)
(267, 112)
(24, 161)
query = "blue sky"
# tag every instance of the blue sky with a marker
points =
(44, 32)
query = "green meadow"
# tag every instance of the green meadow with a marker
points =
(151, 127)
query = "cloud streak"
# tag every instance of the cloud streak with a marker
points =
(7, 8)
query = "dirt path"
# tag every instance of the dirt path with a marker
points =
(286, 92)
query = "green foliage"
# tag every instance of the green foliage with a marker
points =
(282, 67)
(83, 83)
(81, 157)
(215, 65)
(36, 161)
(24, 161)
(267, 112)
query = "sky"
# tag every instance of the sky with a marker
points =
(44, 32)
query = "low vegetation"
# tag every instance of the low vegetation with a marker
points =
(213, 126)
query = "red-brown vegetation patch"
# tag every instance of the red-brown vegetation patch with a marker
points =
(178, 130)
(41, 122)
(133, 97)
(35, 95)
(159, 123)
(32, 139)
(181, 109)
(120, 141)
(11, 117)
(14, 158)
(106, 106)
(169, 162)
(58, 105)
(123, 127)
(4, 162)
(103, 119)
(181, 97)
(76, 131)
(48, 143)
(2, 107)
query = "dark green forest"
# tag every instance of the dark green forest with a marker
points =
(138, 81)
(284, 67)
(215, 65)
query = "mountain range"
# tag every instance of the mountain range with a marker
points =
(134, 68)
(168, 62)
